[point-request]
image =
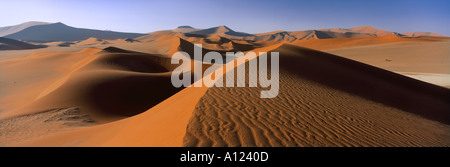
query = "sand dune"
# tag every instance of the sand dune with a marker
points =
(4, 31)
(165, 45)
(274, 36)
(222, 44)
(338, 43)
(362, 30)
(185, 29)
(170, 43)
(11, 44)
(170, 116)
(418, 34)
(163, 125)
(355, 32)
(96, 41)
(155, 35)
(324, 100)
(306, 35)
(62, 32)
(222, 31)
(104, 86)
(107, 86)
(31, 74)
(91, 41)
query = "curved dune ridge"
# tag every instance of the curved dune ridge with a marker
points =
(166, 45)
(324, 100)
(108, 86)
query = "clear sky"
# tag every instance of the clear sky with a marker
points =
(252, 16)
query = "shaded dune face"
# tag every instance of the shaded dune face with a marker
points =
(130, 82)
(324, 100)
(129, 62)
(369, 82)
(123, 94)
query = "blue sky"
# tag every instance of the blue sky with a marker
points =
(250, 16)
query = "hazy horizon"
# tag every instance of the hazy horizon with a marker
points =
(245, 16)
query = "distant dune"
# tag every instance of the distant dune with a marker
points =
(62, 32)
(185, 29)
(155, 35)
(4, 31)
(91, 41)
(334, 43)
(51, 32)
(220, 30)
(10, 44)
(418, 34)
(321, 34)
(362, 30)
(167, 43)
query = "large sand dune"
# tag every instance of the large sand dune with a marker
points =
(107, 85)
(324, 100)
(102, 85)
